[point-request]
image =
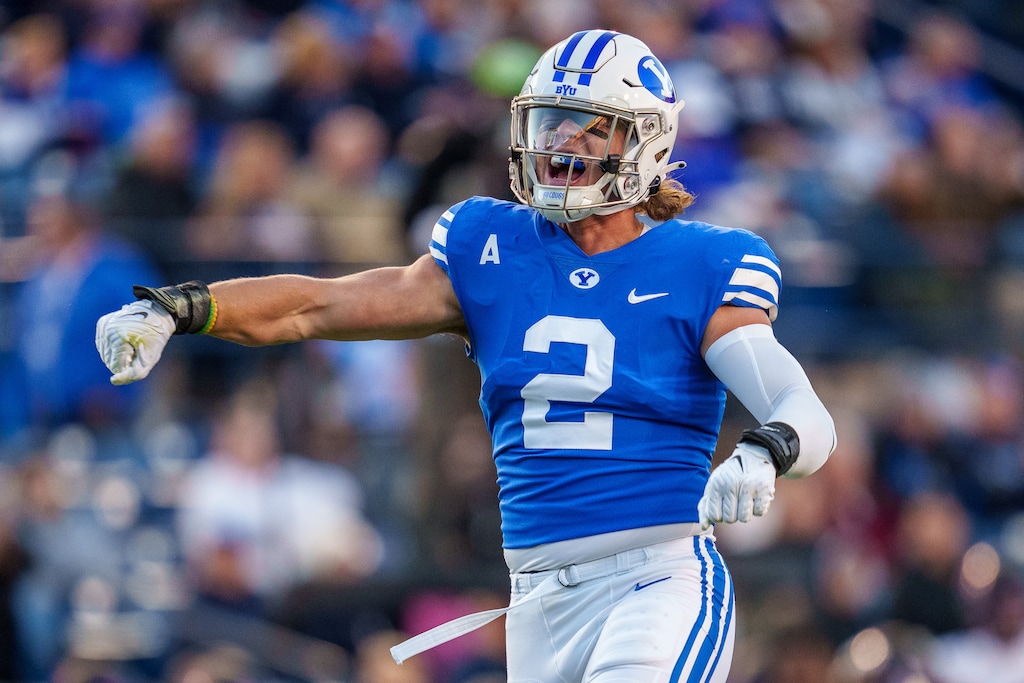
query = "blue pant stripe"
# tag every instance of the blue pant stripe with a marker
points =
(677, 670)
(725, 631)
(716, 636)
(720, 599)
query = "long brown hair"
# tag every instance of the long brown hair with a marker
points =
(669, 201)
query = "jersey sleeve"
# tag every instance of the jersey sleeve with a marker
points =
(754, 277)
(439, 237)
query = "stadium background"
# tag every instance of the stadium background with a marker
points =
(282, 514)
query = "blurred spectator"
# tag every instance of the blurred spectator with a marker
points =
(112, 77)
(254, 521)
(316, 75)
(854, 588)
(801, 654)
(74, 557)
(224, 61)
(345, 189)
(370, 393)
(248, 213)
(932, 536)
(913, 452)
(938, 68)
(731, 77)
(833, 90)
(218, 664)
(456, 151)
(990, 651)
(78, 272)
(461, 524)
(33, 79)
(951, 193)
(154, 190)
(853, 576)
(988, 456)
(445, 45)
(384, 79)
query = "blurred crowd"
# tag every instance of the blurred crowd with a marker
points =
(289, 513)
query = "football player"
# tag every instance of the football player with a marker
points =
(605, 345)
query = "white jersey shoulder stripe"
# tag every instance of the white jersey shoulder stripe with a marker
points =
(759, 301)
(438, 254)
(438, 246)
(762, 261)
(440, 235)
(746, 277)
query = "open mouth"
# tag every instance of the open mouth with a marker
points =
(559, 167)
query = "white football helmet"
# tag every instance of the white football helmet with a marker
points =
(585, 97)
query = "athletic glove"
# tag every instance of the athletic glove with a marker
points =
(131, 340)
(741, 487)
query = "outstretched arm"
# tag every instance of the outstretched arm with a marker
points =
(385, 303)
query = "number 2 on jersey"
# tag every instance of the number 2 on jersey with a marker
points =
(595, 431)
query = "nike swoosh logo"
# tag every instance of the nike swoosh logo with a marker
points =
(635, 298)
(139, 314)
(641, 586)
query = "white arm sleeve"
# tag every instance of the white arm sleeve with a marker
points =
(772, 385)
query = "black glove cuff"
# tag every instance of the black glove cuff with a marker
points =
(189, 304)
(779, 439)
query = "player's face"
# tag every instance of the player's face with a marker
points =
(580, 141)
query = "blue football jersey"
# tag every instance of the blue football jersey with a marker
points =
(602, 412)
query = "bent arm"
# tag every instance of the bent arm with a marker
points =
(772, 385)
(384, 303)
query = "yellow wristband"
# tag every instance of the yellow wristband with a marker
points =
(212, 319)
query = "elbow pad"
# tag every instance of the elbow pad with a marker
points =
(771, 384)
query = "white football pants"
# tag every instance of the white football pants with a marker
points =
(659, 614)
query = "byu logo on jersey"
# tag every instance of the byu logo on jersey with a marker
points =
(655, 78)
(584, 278)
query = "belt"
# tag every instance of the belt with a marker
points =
(574, 574)
(539, 584)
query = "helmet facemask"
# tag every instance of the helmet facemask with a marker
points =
(573, 159)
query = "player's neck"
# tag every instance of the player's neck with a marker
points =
(598, 234)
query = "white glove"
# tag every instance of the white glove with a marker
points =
(131, 340)
(742, 486)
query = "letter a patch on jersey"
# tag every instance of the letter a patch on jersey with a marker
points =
(490, 252)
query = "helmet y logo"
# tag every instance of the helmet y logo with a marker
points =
(654, 77)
